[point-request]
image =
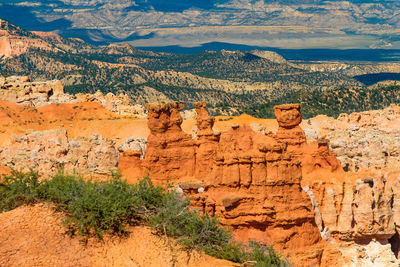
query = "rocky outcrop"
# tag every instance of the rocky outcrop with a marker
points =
(361, 204)
(359, 211)
(276, 188)
(120, 104)
(373, 254)
(289, 132)
(254, 187)
(13, 44)
(313, 156)
(134, 145)
(19, 89)
(366, 140)
(206, 141)
(249, 180)
(48, 151)
(168, 147)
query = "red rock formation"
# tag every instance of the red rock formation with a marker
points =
(14, 42)
(253, 183)
(249, 180)
(318, 156)
(5, 47)
(11, 46)
(274, 188)
(315, 156)
(207, 141)
(170, 153)
(254, 187)
(289, 132)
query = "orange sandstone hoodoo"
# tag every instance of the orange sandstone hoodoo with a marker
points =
(251, 181)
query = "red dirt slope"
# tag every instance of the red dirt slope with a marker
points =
(34, 236)
(83, 119)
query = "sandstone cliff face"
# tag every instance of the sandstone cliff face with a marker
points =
(356, 211)
(361, 204)
(16, 45)
(14, 41)
(356, 207)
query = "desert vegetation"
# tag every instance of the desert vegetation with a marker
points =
(94, 208)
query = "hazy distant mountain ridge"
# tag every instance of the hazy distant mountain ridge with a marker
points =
(319, 23)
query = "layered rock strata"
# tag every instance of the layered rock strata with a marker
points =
(170, 152)
(13, 45)
(359, 202)
(357, 209)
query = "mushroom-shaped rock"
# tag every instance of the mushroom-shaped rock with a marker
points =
(288, 115)
(289, 132)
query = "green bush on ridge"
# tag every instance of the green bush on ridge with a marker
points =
(92, 206)
(96, 208)
(18, 189)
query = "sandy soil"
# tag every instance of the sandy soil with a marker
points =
(35, 236)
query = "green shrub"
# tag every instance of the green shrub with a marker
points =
(18, 189)
(191, 230)
(228, 251)
(202, 232)
(263, 255)
(255, 252)
(61, 189)
(95, 208)
(151, 196)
